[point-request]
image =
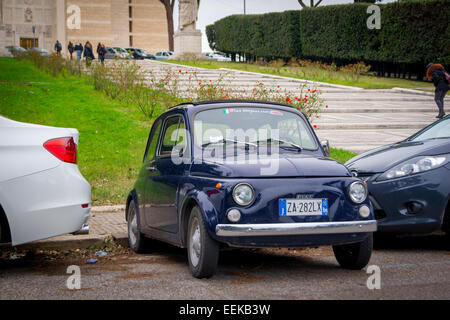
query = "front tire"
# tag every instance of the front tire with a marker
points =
(203, 251)
(354, 256)
(137, 241)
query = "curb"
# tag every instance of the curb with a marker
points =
(102, 209)
(412, 91)
(65, 242)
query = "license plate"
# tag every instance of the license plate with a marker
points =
(303, 207)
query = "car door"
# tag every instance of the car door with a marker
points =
(164, 175)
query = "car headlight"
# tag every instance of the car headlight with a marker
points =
(243, 194)
(357, 192)
(414, 165)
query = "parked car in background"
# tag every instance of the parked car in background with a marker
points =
(42, 192)
(218, 56)
(123, 53)
(409, 181)
(198, 189)
(15, 49)
(111, 53)
(163, 55)
(41, 51)
(140, 54)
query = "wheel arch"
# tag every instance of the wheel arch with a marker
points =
(5, 231)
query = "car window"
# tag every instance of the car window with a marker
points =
(255, 125)
(153, 140)
(440, 129)
(173, 135)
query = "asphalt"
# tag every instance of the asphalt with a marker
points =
(411, 268)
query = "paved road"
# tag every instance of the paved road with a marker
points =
(356, 119)
(411, 268)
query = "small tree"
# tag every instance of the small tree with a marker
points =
(169, 4)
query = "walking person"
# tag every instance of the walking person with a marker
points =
(101, 53)
(70, 48)
(79, 50)
(58, 47)
(437, 74)
(88, 53)
(98, 50)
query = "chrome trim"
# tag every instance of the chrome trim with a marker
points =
(84, 230)
(304, 228)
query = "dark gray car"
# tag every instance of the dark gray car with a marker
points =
(409, 181)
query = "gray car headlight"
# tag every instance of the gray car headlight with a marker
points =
(357, 192)
(243, 194)
(414, 165)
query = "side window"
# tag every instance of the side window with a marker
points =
(153, 141)
(172, 135)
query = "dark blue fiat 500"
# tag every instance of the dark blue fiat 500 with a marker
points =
(245, 174)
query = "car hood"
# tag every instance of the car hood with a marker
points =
(385, 157)
(281, 165)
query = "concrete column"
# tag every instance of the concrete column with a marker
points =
(61, 24)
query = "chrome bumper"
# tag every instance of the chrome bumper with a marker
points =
(289, 229)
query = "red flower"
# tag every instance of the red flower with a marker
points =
(179, 71)
(326, 106)
(315, 126)
(288, 100)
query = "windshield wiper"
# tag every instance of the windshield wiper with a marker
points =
(280, 142)
(247, 144)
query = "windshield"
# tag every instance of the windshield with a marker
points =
(252, 127)
(440, 129)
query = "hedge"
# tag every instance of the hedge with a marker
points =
(412, 32)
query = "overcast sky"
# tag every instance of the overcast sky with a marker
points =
(213, 10)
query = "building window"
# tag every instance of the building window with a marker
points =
(130, 12)
(131, 41)
(130, 24)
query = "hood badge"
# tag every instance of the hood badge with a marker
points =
(354, 173)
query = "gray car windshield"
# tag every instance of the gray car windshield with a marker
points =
(252, 126)
(439, 130)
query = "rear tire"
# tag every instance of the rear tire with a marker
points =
(203, 251)
(354, 256)
(137, 241)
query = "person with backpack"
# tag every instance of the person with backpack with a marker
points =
(88, 53)
(58, 47)
(79, 50)
(436, 72)
(70, 48)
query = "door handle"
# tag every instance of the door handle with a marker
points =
(152, 169)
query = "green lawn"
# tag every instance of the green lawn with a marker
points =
(112, 137)
(367, 82)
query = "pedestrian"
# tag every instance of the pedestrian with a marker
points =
(79, 50)
(98, 50)
(70, 48)
(101, 53)
(58, 47)
(436, 73)
(88, 53)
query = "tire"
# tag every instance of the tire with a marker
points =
(203, 251)
(137, 241)
(354, 256)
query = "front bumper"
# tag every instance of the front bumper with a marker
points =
(289, 229)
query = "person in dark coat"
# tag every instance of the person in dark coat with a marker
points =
(70, 48)
(98, 49)
(101, 53)
(79, 50)
(436, 73)
(58, 47)
(88, 53)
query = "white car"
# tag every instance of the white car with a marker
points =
(42, 192)
(218, 56)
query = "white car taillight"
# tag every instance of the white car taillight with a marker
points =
(65, 149)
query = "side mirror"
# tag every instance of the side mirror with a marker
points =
(326, 147)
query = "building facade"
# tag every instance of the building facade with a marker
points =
(118, 23)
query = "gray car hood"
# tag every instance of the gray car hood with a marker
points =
(385, 157)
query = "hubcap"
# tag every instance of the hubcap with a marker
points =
(195, 242)
(132, 229)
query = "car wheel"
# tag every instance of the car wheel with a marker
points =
(354, 256)
(203, 251)
(137, 241)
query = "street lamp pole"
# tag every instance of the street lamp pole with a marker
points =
(244, 8)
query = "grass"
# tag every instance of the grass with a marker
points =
(366, 82)
(112, 137)
(341, 155)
